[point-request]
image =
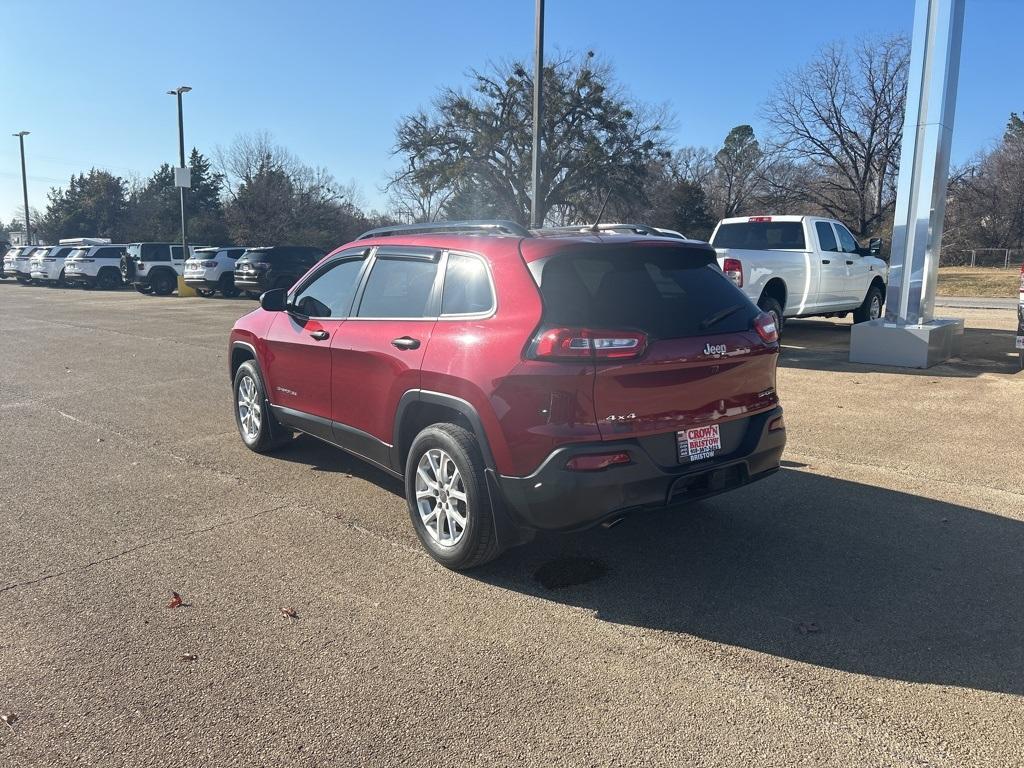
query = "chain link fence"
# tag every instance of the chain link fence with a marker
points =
(999, 258)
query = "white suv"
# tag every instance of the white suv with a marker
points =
(95, 266)
(20, 265)
(47, 264)
(213, 269)
(10, 267)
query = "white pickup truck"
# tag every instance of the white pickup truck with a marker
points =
(801, 266)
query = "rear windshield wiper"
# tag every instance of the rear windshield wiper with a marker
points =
(707, 322)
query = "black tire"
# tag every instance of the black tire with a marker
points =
(227, 286)
(163, 283)
(477, 543)
(108, 279)
(771, 305)
(61, 282)
(871, 309)
(269, 435)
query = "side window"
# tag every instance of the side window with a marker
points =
(176, 252)
(467, 288)
(825, 236)
(330, 294)
(398, 288)
(846, 242)
(154, 252)
(107, 253)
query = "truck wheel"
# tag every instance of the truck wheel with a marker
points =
(447, 496)
(773, 308)
(871, 309)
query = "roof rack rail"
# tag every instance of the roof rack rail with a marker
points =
(493, 226)
(636, 229)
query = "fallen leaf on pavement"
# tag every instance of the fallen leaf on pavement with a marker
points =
(175, 600)
(808, 628)
(291, 613)
(189, 657)
(9, 719)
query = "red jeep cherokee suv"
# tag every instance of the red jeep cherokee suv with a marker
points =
(517, 380)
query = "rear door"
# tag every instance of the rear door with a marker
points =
(700, 363)
(298, 366)
(378, 355)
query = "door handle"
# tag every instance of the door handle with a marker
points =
(826, 261)
(405, 342)
(320, 335)
(848, 262)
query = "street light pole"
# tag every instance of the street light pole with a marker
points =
(24, 184)
(538, 111)
(183, 290)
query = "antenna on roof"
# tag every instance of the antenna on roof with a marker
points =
(600, 214)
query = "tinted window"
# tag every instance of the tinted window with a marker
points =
(176, 251)
(78, 253)
(155, 252)
(760, 235)
(107, 253)
(846, 241)
(330, 294)
(467, 288)
(398, 288)
(233, 253)
(664, 292)
(825, 236)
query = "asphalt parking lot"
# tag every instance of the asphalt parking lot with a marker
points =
(865, 606)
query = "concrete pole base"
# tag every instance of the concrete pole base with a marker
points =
(906, 346)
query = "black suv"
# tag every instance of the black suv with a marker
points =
(277, 266)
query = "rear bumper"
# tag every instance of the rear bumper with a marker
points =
(256, 284)
(80, 278)
(202, 282)
(553, 498)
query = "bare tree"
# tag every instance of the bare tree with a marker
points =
(414, 198)
(737, 171)
(843, 114)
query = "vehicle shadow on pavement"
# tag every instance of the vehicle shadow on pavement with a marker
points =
(312, 453)
(810, 568)
(825, 346)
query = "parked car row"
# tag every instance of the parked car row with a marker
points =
(154, 268)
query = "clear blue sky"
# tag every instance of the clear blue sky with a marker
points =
(330, 80)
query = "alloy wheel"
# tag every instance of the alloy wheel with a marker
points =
(876, 307)
(250, 413)
(441, 497)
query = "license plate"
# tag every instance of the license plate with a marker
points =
(699, 443)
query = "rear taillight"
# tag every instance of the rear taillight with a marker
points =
(585, 343)
(595, 462)
(733, 269)
(208, 264)
(764, 324)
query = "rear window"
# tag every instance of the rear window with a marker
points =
(760, 235)
(257, 256)
(78, 253)
(666, 293)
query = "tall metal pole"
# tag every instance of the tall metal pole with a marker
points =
(24, 185)
(181, 158)
(538, 112)
(910, 335)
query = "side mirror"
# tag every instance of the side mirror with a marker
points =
(875, 246)
(275, 300)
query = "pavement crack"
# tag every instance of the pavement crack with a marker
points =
(144, 545)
